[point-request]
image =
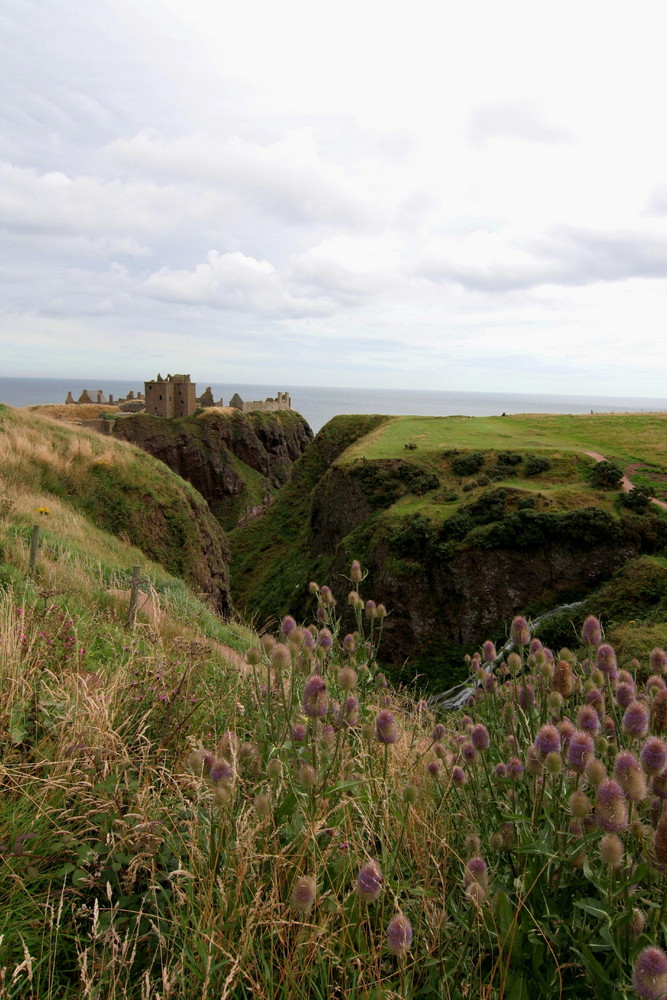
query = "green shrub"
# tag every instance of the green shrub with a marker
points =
(535, 465)
(606, 476)
(467, 464)
(637, 499)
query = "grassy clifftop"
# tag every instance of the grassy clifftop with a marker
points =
(460, 520)
(119, 489)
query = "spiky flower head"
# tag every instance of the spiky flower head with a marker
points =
(287, 625)
(535, 646)
(567, 729)
(479, 737)
(410, 794)
(658, 661)
(595, 772)
(579, 751)
(534, 764)
(399, 935)
(547, 741)
(220, 770)
(595, 698)
(325, 638)
(304, 893)
(274, 769)
(611, 810)
(473, 844)
(349, 644)
(515, 769)
(659, 785)
(591, 633)
(347, 678)
(526, 696)
(588, 719)
(579, 804)
(315, 697)
(635, 720)
(458, 776)
(253, 656)
(659, 712)
(438, 732)
(514, 664)
(299, 733)
(611, 849)
(476, 871)
(489, 683)
(434, 767)
(637, 922)
(386, 729)
(356, 575)
(350, 711)
(554, 701)
(520, 631)
(500, 770)
(262, 805)
(649, 975)
(468, 752)
(280, 656)
(307, 775)
(553, 763)
(371, 609)
(488, 652)
(653, 755)
(563, 678)
(370, 881)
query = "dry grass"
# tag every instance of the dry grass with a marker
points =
(73, 413)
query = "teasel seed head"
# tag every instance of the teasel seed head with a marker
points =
(649, 975)
(635, 720)
(611, 849)
(591, 633)
(658, 661)
(386, 729)
(399, 935)
(370, 881)
(611, 810)
(304, 893)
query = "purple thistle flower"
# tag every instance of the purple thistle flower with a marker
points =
(280, 656)
(349, 644)
(356, 574)
(653, 755)
(588, 719)
(299, 733)
(591, 633)
(433, 768)
(515, 769)
(350, 716)
(606, 661)
(488, 652)
(526, 696)
(625, 693)
(325, 638)
(386, 730)
(535, 646)
(658, 661)
(458, 776)
(500, 770)
(489, 683)
(655, 683)
(288, 625)
(476, 871)
(567, 730)
(635, 720)
(596, 699)
(399, 935)
(315, 697)
(303, 894)
(479, 737)
(520, 632)
(547, 741)
(370, 881)
(468, 752)
(221, 770)
(630, 776)
(611, 810)
(438, 732)
(649, 975)
(371, 609)
(579, 751)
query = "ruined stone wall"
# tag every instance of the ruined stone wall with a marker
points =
(281, 402)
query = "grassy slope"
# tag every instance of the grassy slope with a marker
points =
(120, 488)
(129, 874)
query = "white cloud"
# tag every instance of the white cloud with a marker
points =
(234, 282)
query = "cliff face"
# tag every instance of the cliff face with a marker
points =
(449, 582)
(233, 460)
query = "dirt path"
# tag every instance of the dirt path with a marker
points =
(626, 485)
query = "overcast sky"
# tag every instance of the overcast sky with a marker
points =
(429, 194)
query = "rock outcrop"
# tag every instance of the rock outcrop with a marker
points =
(233, 459)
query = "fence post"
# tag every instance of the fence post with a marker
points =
(134, 595)
(34, 547)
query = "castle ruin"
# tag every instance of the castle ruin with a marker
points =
(269, 405)
(173, 396)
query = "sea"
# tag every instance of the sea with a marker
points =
(318, 404)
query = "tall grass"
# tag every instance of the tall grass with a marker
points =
(178, 824)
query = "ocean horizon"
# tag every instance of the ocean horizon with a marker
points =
(319, 404)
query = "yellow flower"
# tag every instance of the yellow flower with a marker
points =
(42, 510)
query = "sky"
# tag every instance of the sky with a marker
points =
(437, 195)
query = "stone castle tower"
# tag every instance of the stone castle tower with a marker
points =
(173, 396)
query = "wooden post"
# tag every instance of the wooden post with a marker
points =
(34, 547)
(134, 595)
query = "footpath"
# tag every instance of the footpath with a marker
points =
(626, 485)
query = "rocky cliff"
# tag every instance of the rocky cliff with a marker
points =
(450, 581)
(234, 460)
